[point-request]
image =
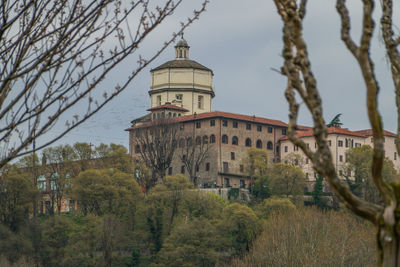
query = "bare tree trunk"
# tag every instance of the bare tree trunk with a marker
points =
(302, 83)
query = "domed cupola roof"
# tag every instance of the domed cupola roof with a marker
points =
(182, 43)
(182, 58)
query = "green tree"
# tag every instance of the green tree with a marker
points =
(241, 226)
(16, 194)
(335, 122)
(60, 167)
(317, 193)
(56, 234)
(287, 180)
(268, 206)
(14, 245)
(105, 191)
(359, 160)
(262, 187)
(255, 164)
(196, 243)
(173, 190)
(113, 156)
(84, 154)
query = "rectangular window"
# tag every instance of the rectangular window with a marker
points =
(259, 128)
(341, 158)
(181, 127)
(183, 169)
(286, 148)
(225, 166)
(179, 97)
(358, 144)
(284, 131)
(170, 171)
(248, 126)
(158, 100)
(212, 122)
(235, 124)
(329, 143)
(207, 166)
(198, 125)
(200, 102)
(241, 167)
(340, 143)
(225, 123)
(395, 156)
(197, 168)
(232, 155)
(295, 148)
(346, 142)
(226, 182)
(269, 129)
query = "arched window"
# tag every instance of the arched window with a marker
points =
(198, 140)
(137, 149)
(270, 145)
(235, 140)
(182, 142)
(212, 138)
(259, 143)
(248, 142)
(189, 142)
(224, 139)
(205, 139)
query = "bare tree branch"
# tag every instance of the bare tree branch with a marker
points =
(297, 68)
(56, 55)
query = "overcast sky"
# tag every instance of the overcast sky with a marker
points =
(241, 41)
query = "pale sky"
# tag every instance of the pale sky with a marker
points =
(241, 41)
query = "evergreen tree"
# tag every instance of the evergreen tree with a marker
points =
(317, 193)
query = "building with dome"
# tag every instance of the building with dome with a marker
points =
(210, 144)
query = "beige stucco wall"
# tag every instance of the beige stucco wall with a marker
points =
(188, 82)
(337, 151)
(390, 149)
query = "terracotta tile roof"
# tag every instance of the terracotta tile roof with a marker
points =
(186, 63)
(331, 130)
(219, 114)
(368, 132)
(168, 106)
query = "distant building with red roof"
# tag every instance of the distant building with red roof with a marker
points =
(340, 140)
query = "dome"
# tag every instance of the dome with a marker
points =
(182, 43)
(176, 64)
